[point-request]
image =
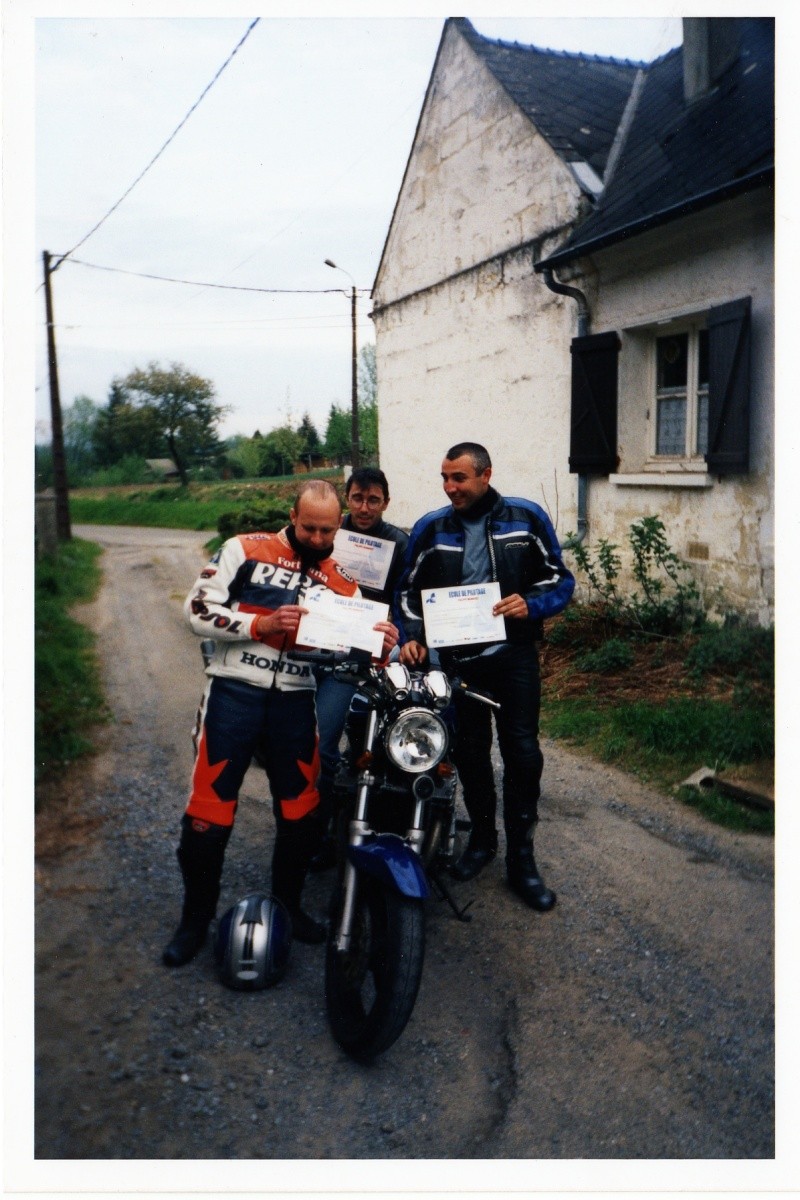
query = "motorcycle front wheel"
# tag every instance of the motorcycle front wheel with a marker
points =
(371, 988)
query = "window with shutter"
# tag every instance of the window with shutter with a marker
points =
(684, 398)
(593, 424)
(680, 429)
(729, 388)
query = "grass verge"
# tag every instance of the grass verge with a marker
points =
(69, 698)
(665, 708)
(188, 514)
(171, 506)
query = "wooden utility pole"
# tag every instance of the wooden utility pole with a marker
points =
(63, 528)
(355, 450)
(355, 439)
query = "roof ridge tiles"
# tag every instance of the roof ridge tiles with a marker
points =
(469, 29)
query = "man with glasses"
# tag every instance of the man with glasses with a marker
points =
(367, 498)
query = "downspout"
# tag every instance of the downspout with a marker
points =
(584, 321)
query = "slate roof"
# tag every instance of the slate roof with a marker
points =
(676, 157)
(576, 101)
(679, 157)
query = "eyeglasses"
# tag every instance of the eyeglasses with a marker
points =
(370, 501)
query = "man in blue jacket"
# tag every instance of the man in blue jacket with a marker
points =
(481, 536)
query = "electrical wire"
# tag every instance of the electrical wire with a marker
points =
(228, 287)
(156, 156)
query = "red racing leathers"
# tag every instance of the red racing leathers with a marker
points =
(250, 577)
(247, 707)
(257, 703)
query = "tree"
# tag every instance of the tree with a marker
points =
(310, 442)
(368, 403)
(245, 455)
(185, 410)
(338, 437)
(338, 432)
(124, 431)
(280, 449)
(367, 376)
(368, 432)
(80, 421)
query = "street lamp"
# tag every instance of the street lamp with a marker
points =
(355, 452)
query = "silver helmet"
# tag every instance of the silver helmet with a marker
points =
(252, 943)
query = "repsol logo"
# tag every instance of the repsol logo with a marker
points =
(276, 576)
(302, 670)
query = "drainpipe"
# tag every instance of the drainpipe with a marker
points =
(584, 320)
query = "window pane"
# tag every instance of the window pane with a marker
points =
(672, 357)
(671, 425)
(702, 421)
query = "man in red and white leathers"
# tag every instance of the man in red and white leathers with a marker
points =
(249, 600)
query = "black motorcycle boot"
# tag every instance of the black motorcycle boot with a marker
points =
(523, 874)
(200, 855)
(481, 848)
(290, 861)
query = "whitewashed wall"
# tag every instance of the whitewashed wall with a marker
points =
(480, 357)
(725, 531)
(477, 348)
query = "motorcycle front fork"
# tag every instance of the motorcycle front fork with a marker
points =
(358, 832)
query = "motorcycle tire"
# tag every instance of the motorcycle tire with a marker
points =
(370, 989)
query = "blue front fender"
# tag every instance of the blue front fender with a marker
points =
(391, 861)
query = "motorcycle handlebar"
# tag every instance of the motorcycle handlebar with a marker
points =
(355, 661)
(460, 686)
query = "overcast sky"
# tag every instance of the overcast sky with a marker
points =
(294, 155)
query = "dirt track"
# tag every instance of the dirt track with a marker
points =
(635, 1021)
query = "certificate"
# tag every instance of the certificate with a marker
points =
(459, 616)
(367, 559)
(341, 622)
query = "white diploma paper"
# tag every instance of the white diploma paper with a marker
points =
(459, 616)
(367, 559)
(341, 622)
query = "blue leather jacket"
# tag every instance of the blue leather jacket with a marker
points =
(524, 553)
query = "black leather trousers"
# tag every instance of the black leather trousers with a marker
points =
(511, 677)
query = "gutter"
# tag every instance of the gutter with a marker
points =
(584, 323)
(727, 191)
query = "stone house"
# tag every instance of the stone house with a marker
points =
(579, 274)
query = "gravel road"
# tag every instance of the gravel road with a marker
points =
(633, 1022)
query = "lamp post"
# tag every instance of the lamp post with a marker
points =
(355, 451)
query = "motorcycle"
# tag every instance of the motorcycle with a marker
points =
(395, 797)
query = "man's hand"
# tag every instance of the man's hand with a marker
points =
(511, 606)
(413, 654)
(391, 636)
(284, 620)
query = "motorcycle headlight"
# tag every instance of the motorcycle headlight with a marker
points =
(417, 740)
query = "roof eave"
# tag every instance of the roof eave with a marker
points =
(662, 217)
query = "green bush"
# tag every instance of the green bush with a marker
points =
(166, 492)
(664, 598)
(614, 655)
(568, 628)
(269, 519)
(127, 470)
(733, 650)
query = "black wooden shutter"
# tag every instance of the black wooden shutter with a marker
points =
(729, 388)
(593, 423)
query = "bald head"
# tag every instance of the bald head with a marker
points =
(316, 515)
(320, 489)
